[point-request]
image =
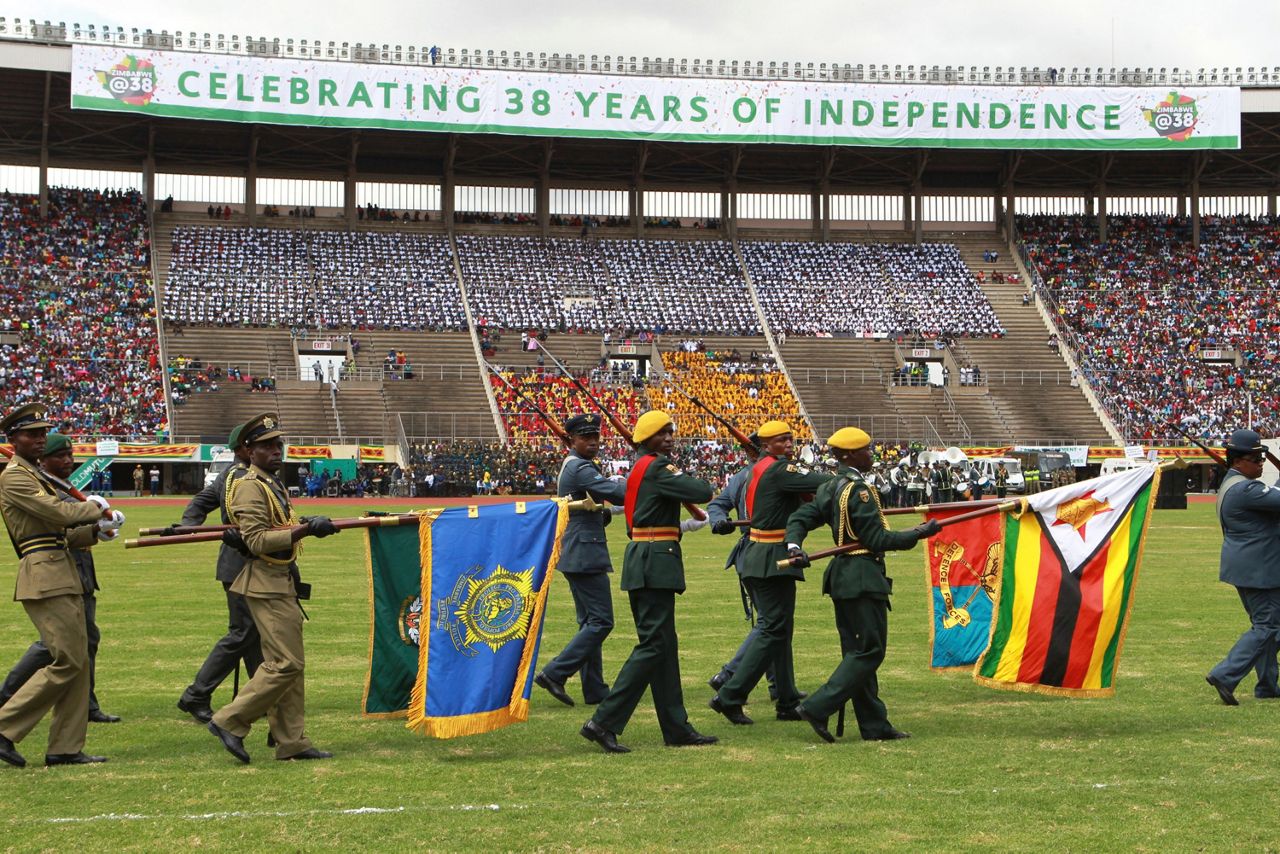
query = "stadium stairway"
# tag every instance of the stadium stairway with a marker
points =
(1028, 384)
(844, 382)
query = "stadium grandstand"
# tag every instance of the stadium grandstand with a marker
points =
(391, 288)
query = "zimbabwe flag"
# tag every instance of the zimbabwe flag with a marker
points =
(1069, 569)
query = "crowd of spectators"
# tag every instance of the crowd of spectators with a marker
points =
(319, 279)
(78, 312)
(566, 284)
(868, 289)
(556, 395)
(373, 213)
(747, 389)
(1141, 310)
(189, 375)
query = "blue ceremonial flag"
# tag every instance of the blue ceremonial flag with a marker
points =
(485, 576)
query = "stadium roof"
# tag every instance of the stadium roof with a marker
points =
(33, 76)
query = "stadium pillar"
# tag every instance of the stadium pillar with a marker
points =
(349, 183)
(635, 202)
(446, 183)
(825, 194)
(1271, 204)
(542, 195)
(918, 203)
(1010, 213)
(1197, 169)
(44, 149)
(815, 212)
(1102, 213)
(906, 210)
(251, 180)
(149, 181)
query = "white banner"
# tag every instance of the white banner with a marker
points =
(685, 109)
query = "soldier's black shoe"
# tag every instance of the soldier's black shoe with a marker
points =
(592, 731)
(232, 742)
(271, 739)
(309, 753)
(1224, 693)
(199, 711)
(52, 759)
(553, 688)
(890, 734)
(734, 714)
(97, 716)
(10, 754)
(819, 724)
(693, 738)
(785, 714)
(717, 682)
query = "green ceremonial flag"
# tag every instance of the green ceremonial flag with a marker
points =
(395, 586)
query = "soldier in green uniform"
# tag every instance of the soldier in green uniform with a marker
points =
(258, 504)
(652, 575)
(775, 490)
(856, 583)
(50, 591)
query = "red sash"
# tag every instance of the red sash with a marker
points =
(762, 465)
(633, 485)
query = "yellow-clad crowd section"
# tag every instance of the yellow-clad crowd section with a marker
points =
(746, 390)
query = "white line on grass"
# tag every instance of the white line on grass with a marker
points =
(208, 816)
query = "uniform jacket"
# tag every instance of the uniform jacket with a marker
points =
(213, 497)
(733, 497)
(778, 494)
(1249, 512)
(660, 565)
(35, 515)
(584, 548)
(849, 497)
(259, 505)
(82, 557)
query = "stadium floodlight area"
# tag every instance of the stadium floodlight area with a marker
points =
(577, 63)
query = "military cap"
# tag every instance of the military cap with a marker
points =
(260, 428)
(773, 429)
(55, 443)
(30, 416)
(650, 424)
(233, 440)
(582, 425)
(849, 439)
(1245, 442)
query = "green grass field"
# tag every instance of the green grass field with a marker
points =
(1161, 766)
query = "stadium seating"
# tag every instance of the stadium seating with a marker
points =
(868, 289)
(77, 313)
(330, 279)
(1142, 309)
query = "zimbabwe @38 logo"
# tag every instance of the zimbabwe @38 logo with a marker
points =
(131, 81)
(491, 610)
(1174, 118)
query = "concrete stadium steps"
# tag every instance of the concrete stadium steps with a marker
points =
(255, 351)
(1028, 384)
(446, 382)
(363, 412)
(210, 415)
(578, 352)
(842, 381)
(305, 412)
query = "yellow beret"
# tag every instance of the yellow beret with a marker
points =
(849, 439)
(771, 429)
(649, 424)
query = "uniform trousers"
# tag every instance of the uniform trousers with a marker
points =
(276, 689)
(240, 643)
(654, 663)
(1256, 648)
(863, 624)
(775, 599)
(38, 656)
(734, 663)
(593, 602)
(63, 685)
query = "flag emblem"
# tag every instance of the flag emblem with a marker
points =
(411, 620)
(489, 611)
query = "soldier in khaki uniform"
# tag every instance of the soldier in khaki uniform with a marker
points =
(50, 591)
(258, 504)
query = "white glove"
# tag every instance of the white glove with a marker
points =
(112, 523)
(100, 501)
(692, 525)
(107, 536)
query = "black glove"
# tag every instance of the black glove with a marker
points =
(232, 539)
(171, 531)
(722, 526)
(927, 529)
(799, 560)
(321, 526)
